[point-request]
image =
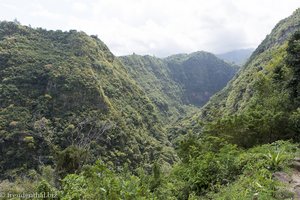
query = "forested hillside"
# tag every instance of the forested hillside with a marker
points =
(66, 100)
(180, 80)
(154, 77)
(201, 74)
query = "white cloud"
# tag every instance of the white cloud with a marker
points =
(158, 27)
(80, 7)
(40, 11)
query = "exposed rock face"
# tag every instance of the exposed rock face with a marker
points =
(291, 181)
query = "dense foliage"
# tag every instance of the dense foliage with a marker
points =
(210, 169)
(200, 74)
(189, 79)
(66, 100)
(154, 77)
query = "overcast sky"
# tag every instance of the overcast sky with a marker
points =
(157, 27)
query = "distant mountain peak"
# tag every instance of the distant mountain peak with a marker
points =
(238, 57)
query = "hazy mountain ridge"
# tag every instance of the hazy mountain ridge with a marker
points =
(238, 57)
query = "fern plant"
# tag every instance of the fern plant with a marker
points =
(275, 160)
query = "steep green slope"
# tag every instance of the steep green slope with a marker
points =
(261, 104)
(268, 57)
(200, 74)
(177, 81)
(65, 98)
(153, 75)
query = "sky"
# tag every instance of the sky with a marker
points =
(157, 27)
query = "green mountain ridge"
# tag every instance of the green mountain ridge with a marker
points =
(153, 75)
(179, 81)
(66, 89)
(201, 74)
